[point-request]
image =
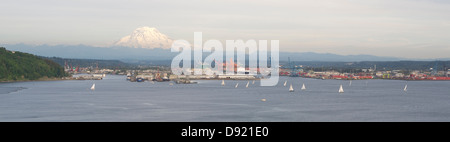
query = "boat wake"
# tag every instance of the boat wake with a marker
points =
(7, 90)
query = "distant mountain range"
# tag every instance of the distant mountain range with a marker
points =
(304, 59)
(89, 52)
(138, 54)
(148, 44)
(311, 56)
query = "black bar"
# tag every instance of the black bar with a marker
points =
(272, 130)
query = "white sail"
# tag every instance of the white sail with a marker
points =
(291, 89)
(246, 86)
(303, 86)
(406, 88)
(237, 84)
(350, 83)
(253, 82)
(341, 90)
(93, 87)
(223, 82)
(285, 83)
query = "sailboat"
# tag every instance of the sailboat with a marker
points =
(246, 86)
(350, 83)
(285, 83)
(93, 87)
(237, 84)
(341, 90)
(303, 86)
(291, 89)
(223, 82)
(406, 88)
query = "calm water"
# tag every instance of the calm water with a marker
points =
(116, 99)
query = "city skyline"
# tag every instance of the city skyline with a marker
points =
(403, 28)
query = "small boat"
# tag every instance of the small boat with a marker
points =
(223, 82)
(246, 86)
(253, 82)
(263, 100)
(237, 84)
(341, 90)
(291, 89)
(93, 87)
(285, 83)
(350, 83)
(303, 86)
(170, 84)
(406, 88)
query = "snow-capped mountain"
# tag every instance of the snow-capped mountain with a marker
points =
(146, 37)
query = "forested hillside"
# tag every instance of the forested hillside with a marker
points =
(18, 66)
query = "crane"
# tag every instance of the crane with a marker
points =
(293, 69)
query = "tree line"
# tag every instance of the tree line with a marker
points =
(19, 66)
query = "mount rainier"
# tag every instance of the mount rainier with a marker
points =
(145, 37)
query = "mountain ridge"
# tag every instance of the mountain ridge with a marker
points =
(130, 53)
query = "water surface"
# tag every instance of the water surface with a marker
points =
(116, 99)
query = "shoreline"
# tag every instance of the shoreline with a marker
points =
(40, 79)
(375, 79)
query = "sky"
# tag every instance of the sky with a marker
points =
(396, 28)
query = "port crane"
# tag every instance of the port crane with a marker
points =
(434, 72)
(293, 68)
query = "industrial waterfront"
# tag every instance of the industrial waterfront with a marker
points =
(116, 99)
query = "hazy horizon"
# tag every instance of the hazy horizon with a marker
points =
(416, 29)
